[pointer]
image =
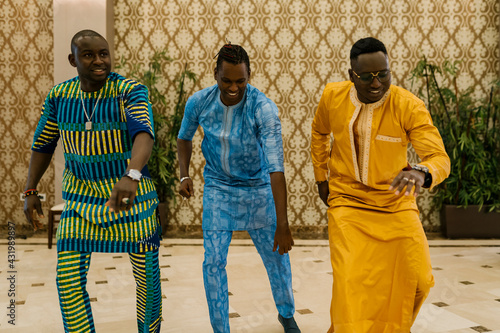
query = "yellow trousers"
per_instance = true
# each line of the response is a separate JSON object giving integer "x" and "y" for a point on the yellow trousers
{"x": 381, "y": 270}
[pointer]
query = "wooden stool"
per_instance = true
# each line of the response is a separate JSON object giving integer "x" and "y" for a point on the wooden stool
{"x": 54, "y": 211}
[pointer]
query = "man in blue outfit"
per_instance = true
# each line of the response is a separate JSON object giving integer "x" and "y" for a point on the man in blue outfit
{"x": 245, "y": 186}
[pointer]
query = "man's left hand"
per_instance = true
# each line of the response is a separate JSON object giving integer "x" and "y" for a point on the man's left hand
{"x": 123, "y": 195}
{"x": 411, "y": 179}
{"x": 283, "y": 240}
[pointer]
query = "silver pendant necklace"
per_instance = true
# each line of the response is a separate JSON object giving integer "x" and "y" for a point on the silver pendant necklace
{"x": 88, "y": 123}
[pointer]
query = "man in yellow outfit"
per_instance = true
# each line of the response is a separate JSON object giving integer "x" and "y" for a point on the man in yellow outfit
{"x": 379, "y": 252}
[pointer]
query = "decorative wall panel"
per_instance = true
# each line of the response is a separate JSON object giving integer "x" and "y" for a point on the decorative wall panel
{"x": 295, "y": 48}
{"x": 26, "y": 76}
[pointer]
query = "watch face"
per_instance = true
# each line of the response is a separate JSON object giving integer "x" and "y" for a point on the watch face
{"x": 421, "y": 168}
{"x": 134, "y": 174}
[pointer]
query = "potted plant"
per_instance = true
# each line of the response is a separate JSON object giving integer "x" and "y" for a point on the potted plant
{"x": 162, "y": 164}
{"x": 470, "y": 197}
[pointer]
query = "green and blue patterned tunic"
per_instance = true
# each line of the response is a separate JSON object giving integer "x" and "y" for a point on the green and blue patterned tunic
{"x": 95, "y": 160}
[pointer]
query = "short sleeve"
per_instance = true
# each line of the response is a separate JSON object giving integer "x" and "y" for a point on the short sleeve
{"x": 190, "y": 120}
{"x": 269, "y": 135}
{"x": 47, "y": 131}
{"x": 138, "y": 111}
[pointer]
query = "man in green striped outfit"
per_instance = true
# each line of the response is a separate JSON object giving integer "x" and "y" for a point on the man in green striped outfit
{"x": 105, "y": 125}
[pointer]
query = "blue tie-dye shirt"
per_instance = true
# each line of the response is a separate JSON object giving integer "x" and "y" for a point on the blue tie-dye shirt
{"x": 242, "y": 144}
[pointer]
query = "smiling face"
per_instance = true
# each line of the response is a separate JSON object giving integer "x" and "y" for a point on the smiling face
{"x": 232, "y": 81}
{"x": 90, "y": 56}
{"x": 370, "y": 63}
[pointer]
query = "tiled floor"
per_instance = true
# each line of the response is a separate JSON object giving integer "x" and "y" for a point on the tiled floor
{"x": 466, "y": 298}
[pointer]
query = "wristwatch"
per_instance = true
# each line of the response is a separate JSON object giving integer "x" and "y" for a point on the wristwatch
{"x": 134, "y": 174}
{"x": 428, "y": 176}
{"x": 422, "y": 168}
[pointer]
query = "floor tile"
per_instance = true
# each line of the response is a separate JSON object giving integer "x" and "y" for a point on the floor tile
{"x": 452, "y": 306}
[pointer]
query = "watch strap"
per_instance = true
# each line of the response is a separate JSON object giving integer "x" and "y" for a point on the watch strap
{"x": 428, "y": 176}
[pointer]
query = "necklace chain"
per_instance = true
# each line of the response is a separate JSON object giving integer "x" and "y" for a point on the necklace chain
{"x": 89, "y": 119}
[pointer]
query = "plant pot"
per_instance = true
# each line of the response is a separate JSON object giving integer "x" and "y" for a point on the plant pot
{"x": 470, "y": 222}
{"x": 163, "y": 212}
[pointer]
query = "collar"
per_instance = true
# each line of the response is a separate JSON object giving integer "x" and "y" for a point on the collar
{"x": 357, "y": 103}
{"x": 232, "y": 107}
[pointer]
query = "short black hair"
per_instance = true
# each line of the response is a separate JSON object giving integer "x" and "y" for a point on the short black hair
{"x": 83, "y": 33}
{"x": 367, "y": 45}
{"x": 234, "y": 54}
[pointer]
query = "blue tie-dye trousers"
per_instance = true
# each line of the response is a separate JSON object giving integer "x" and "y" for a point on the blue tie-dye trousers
{"x": 216, "y": 244}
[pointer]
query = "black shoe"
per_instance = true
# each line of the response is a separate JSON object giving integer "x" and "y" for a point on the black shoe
{"x": 289, "y": 324}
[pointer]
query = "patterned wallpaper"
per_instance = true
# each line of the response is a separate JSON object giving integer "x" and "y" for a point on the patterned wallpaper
{"x": 295, "y": 48}
{"x": 26, "y": 76}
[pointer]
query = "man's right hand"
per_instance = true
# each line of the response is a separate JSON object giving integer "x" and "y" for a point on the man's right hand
{"x": 39, "y": 163}
{"x": 33, "y": 205}
{"x": 186, "y": 188}
{"x": 324, "y": 192}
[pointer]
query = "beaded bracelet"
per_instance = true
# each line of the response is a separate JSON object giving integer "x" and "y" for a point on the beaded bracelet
{"x": 29, "y": 192}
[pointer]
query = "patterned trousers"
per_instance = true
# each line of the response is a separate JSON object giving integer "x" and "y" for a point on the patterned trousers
{"x": 216, "y": 244}
{"x": 72, "y": 268}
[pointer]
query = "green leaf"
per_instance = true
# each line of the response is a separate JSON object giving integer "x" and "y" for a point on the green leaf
{"x": 470, "y": 128}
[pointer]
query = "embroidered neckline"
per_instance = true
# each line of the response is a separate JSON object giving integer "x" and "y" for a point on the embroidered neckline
{"x": 357, "y": 102}
{"x": 361, "y": 171}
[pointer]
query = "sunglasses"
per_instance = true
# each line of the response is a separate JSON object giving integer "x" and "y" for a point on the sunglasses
{"x": 382, "y": 76}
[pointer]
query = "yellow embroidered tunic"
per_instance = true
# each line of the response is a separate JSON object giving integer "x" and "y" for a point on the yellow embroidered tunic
{"x": 380, "y": 255}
